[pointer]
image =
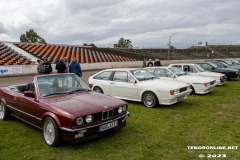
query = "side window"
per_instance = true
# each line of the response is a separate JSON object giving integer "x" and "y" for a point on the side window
{"x": 178, "y": 66}
{"x": 103, "y": 76}
{"x": 189, "y": 68}
{"x": 120, "y": 77}
{"x": 205, "y": 66}
{"x": 186, "y": 68}
{"x": 130, "y": 78}
{"x": 193, "y": 69}
{"x": 162, "y": 73}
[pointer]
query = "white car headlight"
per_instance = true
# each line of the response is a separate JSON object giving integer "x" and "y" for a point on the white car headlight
{"x": 120, "y": 109}
{"x": 89, "y": 118}
{"x": 124, "y": 108}
{"x": 79, "y": 121}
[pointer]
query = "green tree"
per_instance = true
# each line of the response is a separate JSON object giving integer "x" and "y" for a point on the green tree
{"x": 90, "y": 45}
{"x": 31, "y": 37}
{"x": 123, "y": 43}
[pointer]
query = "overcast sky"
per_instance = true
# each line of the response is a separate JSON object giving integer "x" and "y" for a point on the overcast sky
{"x": 147, "y": 24}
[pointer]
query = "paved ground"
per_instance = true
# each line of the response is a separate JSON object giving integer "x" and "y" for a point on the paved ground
{"x": 6, "y": 81}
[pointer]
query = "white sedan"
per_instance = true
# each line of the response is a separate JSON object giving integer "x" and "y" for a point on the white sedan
{"x": 139, "y": 85}
{"x": 200, "y": 85}
{"x": 196, "y": 70}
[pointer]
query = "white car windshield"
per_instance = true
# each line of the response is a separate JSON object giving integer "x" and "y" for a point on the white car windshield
{"x": 199, "y": 68}
{"x": 177, "y": 71}
{"x": 142, "y": 74}
{"x": 60, "y": 84}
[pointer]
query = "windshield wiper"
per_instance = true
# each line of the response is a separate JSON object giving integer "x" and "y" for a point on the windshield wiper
{"x": 55, "y": 93}
{"x": 79, "y": 90}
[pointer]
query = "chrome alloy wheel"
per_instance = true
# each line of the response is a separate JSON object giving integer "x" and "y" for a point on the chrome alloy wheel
{"x": 150, "y": 100}
{"x": 2, "y": 111}
{"x": 49, "y": 132}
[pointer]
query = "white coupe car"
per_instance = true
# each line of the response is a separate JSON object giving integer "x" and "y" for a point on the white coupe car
{"x": 196, "y": 70}
{"x": 139, "y": 85}
{"x": 199, "y": 84}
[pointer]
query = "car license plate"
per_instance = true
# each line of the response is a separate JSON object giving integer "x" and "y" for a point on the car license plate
{"x": 108, "y": 126}
{"x": 180, "y": 98}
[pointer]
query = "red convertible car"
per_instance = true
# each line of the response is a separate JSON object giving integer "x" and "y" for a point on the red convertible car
{"x": 63, "y": 107}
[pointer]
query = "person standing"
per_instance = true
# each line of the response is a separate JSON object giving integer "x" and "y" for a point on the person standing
{"x": 75, "y": 67}
{"x": 65, "y": 60}
{"x": 157, "y": 62}
{"x": 61, "y": 66}
{"x": 144, "y": 63}
{"x": 150, "y": 63}
{"x": 40, "y": 68}
{"x": 47, "y": 66}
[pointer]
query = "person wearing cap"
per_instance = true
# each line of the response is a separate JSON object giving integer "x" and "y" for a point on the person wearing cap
{"x": 47, "y": 66}
{"x": 40, "y": 68}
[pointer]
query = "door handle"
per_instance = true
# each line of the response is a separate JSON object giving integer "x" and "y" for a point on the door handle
{"x": 112, "y": 83}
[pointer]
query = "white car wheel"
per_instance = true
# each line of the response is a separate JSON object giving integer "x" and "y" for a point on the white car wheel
{"x": 150, "y": 100}
{"x": 98, "y": 89}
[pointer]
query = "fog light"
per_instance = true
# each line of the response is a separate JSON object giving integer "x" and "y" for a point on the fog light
{"x": 80, "y": 134}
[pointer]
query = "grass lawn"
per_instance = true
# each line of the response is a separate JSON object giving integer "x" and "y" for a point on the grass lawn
{"x": 150, "y": 133}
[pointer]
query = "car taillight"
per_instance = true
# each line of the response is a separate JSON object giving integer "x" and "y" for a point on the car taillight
{"x": 205, "y": 84}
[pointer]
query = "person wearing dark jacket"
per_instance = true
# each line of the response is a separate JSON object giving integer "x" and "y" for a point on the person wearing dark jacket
{"x": 74, "y": 67}
{"x": 61, "y": 67}
{"x": 157, "y": 62}
{"x": 40, "y": 68}
{"x": 47, "y": 67}
{"x": 150, "y": 63}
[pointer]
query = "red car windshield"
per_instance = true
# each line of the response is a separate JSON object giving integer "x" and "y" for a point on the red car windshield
{"x": 60, "y": 84}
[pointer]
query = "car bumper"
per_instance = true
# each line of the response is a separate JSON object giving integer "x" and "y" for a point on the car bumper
{"x": 204, "y": 90}
{"x": 91, "y": 132}
{"x": 175, "y": 98}
{"x": 221, "y": 82}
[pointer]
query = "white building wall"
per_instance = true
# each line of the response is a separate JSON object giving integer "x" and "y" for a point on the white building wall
{"x": 32, "y": 69}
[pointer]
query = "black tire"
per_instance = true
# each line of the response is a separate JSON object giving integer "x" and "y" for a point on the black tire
{"x": 98, "y": 89}
{"x": 228, "y": 77}
{"x": 150, "y": 100}
{"x": 51, "y": 132}
{"x": 3, "y": 112}
{"x": 193, "y": 90}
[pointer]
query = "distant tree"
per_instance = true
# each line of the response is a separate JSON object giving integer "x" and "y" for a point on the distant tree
{"x": 123, "y": 43}
{"x": 172, "y": 47}
{"x": 90, "y": 45}
{"x": 31, "y": 37}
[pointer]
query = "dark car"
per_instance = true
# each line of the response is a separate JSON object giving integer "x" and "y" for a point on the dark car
{"x": 63, "y": 107}
{"x": 222, "y": 64}
{"x": 228, "y": 62}
{"x": 230, "y": 73}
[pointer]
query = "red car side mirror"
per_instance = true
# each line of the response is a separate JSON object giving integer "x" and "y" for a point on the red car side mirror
{"x": 30, "y": 94}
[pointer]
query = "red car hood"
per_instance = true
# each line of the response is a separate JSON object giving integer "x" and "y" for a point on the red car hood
{"x": 84, "y": 103}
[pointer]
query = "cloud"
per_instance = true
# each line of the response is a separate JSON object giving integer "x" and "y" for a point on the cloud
{"x": 145, "y": 23}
